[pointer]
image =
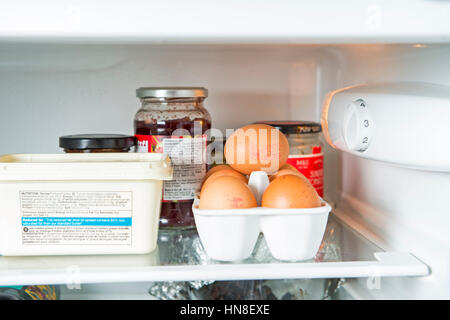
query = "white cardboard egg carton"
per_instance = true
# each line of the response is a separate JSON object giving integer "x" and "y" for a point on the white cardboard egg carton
{"x": 291, "y": 234}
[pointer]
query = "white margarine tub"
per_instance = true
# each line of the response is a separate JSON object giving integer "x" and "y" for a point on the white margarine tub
{"x": 83, "y": 203}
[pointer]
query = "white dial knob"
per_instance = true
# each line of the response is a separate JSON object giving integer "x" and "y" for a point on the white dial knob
{"x": 358, "y": 126}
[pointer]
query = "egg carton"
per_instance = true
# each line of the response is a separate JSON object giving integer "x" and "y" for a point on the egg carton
{"x": 290, "y": 234}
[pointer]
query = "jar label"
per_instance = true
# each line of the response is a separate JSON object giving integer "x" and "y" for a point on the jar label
{"x": 188, "y": 156}
{"x": 311, "y": 166}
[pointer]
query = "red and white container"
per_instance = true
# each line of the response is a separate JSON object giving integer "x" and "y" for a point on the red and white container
{"x": 305, "y": 149}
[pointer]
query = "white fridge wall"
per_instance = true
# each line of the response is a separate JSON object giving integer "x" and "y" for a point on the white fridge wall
{"x": 51, "y": 90}
{"x": 405, "y": 208}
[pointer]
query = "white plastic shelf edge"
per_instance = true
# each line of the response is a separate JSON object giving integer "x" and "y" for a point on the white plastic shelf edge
{"x": 388, "y": 264}
{"x": 176, "y": 21}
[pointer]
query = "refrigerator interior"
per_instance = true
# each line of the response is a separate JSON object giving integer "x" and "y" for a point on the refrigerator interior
{"x": 49, "y": 90}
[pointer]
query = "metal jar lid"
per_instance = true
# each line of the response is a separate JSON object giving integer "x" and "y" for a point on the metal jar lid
{"x": 294, "y": 127}
{"x": 172, "y": 92}
{"x": 96, "y": 141}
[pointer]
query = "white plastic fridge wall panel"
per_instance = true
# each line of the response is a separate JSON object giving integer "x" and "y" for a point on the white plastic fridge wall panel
{"x": 176, "y": 21}
{"x": 392, "y": 63}
{"x": 405, "y": 208}
{"x": 390, "y": 235}
{"x": 69, "y": 89}
{"x": 378, "y": 183}
{"x": 386, "y": 187}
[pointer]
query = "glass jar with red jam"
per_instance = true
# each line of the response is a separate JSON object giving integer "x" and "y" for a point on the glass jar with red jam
{"x": 173, "y": 120}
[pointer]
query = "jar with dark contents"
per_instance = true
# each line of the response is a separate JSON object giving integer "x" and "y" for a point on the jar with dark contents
{"x": 87, "y": 143}
{"x": 305, "y": 149}
{"x": 173, "y": 120}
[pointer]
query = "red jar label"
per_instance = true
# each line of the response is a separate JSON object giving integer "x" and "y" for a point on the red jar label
{"x": 188, "y": 156}
{"x": 311, "y": 166}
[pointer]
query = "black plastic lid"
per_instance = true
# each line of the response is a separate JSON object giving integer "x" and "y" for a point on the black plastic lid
{"x": 96, "y": 141}
{"x": 294, "y": 127}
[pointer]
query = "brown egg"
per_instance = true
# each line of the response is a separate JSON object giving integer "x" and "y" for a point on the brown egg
{"x": 289, "y": 166}
{"x": 215, "y": 169}
{"x": 227, "y": 193}
{"x": 284, "y": 172}
{"x": 224, "y": 172}
{"x": 251, "y": 148}
{"x": 290, "y": 191}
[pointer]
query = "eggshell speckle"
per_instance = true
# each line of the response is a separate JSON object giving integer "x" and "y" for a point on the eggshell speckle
{"x": 290, "y": 191}
{"x": 227, "y": 192}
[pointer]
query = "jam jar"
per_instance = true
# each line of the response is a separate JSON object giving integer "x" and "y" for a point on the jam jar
{"x": 85, "y": 143}
{"x": 173, "y": 120}
{"x": 305, "y": 149}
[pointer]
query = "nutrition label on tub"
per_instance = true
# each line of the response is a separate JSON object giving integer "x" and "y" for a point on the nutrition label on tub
{"x": 76, "y": 217}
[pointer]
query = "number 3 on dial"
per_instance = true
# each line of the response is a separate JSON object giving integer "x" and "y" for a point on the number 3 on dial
{"x": 358, "y": 126}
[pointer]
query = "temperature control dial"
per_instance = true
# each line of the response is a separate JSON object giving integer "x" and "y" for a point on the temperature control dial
{"x": 358, "y": 126}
